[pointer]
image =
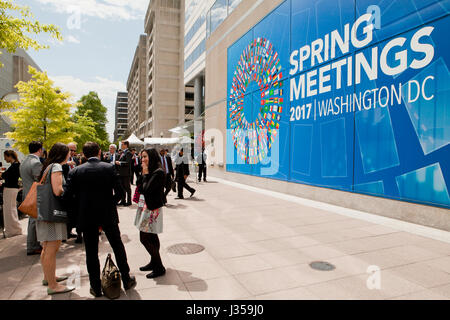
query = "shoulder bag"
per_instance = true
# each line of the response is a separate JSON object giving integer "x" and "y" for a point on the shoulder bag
{"x": 50, "y": 208}
{"x": 29, "y": 205}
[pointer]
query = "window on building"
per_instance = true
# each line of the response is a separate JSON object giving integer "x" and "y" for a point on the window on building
{"x": 189, "y": 96}
{"x": 219, "y": 12}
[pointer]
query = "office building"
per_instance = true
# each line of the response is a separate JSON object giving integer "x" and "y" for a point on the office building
{"x": 334, "y": 101}
{"x": 14, "y": 70}
{"x": 137, "y": 90}
{"x": 121, "y": 125}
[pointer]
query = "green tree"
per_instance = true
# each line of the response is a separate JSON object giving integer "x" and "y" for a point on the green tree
{"x": 43, "y": 114}
{"x": 92, "y": 106}
{"x": 84, "y": 127}
{"x": 17, "y": 25}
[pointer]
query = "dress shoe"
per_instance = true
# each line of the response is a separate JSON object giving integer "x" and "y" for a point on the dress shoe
{"x": 130, "y": 283}
{"x": 127, "y": 204}
{"x": 58, "y": 279}
{"x": 205, "y": 180}
{"x": 71, "y": 236}
{"x": 34, "y": 252}
{"x": 51, "y": 292}
{"x": 79, "y": 239}
{"x": 156, "y": 274}
{"x": 179, "y": 198}
{"x": 192, "y": 193}
{"x": 96, "y": 293}
{"x": 147, "y": 267}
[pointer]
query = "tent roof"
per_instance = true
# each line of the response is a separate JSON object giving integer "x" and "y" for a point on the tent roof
{"x": 165, "y": 141}
{"x": 134, "y": 140}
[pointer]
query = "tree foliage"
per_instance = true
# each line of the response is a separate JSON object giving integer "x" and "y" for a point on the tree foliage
{"x": 43, "y": 114}
{"x": 91, "y": 106}
{"x": 17, "y": 25}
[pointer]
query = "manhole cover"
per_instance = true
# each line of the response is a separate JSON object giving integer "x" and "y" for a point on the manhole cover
{"x": 322, "y": 266}
{"x": 185, "y": 248}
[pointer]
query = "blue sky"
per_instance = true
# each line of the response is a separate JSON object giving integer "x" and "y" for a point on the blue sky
{"x": 100, "y": 38}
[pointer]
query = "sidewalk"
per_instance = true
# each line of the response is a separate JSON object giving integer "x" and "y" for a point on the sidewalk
{"x": 256, "y": 247}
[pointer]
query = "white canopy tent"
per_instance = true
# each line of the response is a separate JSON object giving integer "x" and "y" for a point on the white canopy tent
{"x": 133, "y": 140}
{"x": 168, "y": 141}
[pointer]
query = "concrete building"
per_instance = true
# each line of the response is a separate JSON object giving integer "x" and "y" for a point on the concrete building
{"x": 15, "y": 69}
{"x": 164, "y": 57}
{"x": 355, "y": 170}
{"x": 137, "y": 90}
{"x": 197, "y": 24}
{"x": 121, "y": 125}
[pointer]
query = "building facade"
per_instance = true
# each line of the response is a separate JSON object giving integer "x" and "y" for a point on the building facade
{"x": 337, "y": 101}
{"x": 121, "y": 125}
{"x": 137, "y": 90}
{"x": 14, "y": 70}
{"x": 164, "y": 56}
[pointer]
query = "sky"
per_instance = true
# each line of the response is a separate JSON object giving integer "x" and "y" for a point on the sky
{"x": 100, "y": 38}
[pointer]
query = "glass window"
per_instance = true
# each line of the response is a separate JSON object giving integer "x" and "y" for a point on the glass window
{"x": 194, "y": 55}
{"x": 193, "y": 30}
{"x": 232, "y": 4}
{"x": 218, "y": 13}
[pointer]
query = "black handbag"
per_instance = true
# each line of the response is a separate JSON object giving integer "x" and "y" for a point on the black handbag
{"x": 50, "y": 208}
{"x": 110, "y": 279}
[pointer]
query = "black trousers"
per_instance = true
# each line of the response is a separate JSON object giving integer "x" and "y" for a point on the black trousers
{"x": 152, "y": 245}
{"x": 93, "y": 264}
{"x": 167, "y": 185}
{"x": 181, "y": 183}
{"x": 126, "y": 185}
{"x": 202, "y": 170}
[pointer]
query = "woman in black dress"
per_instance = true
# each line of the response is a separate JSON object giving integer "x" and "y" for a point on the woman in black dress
{"x": 149, "y": 216}
{"x": 10, "y": 191}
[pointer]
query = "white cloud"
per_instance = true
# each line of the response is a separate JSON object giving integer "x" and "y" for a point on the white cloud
{"x": 104, "y": 9}
{"x": 72, "y": 39}
{"x": 107, "y": 91}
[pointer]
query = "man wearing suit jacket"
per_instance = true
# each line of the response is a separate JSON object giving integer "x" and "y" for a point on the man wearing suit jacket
{"x": 182, "y": 170}
{"x": 71, "y": 164}
{"x": 112, "y": 156}
{"x": 166, "y": 163}
{"x": 30, "y": 170}
{"x": 124, "y": 165}
{"x": 96, "y": 189}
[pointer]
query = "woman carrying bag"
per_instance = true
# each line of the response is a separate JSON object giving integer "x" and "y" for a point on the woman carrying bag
{"x": 51, "y": 227}
{"x": 10, "y": 191}
{"x": 149, "y": 216}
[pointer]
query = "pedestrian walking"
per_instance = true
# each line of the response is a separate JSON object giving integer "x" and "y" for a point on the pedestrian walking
{"x": 167, "y": 167}
{"x": 149, "y": 216}
{"x": 124, "y": 166}
{"x": 182, "y": 171}
{"x": 30, "y": 169}
{"x": 201, "y": 160}
{"x": 49, "y": 233}
{"x": 97, "y": 190}
{"x": 10, "y": 191}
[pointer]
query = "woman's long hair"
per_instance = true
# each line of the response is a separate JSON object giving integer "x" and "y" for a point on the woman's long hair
{"x": 11, "y": 154}
{"x": 154, "y": 160}
{"x": 58, "y": 154}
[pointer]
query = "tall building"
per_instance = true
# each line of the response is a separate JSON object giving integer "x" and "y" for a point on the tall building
{"x": 197, "y": 26}
{"x": 164, "y": 56}
{"x": 315, "y": 99}
{"x": 121, "y": 125}
{"x": 14, "y": 70}
{"x": 137, "y": 90}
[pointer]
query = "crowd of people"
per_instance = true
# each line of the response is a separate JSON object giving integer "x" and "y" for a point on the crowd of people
{"x": 86, "y": 190}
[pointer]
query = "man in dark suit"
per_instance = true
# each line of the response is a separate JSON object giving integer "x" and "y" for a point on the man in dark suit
{"x": 166, "y": 163}
{"x": 112, "y": 156}
{"x": 124, "y": 166}
{"x": 71, "y": 164}
{"x": 96, "y": 189}
{"x": 182, "y": 170}
{"x": 136, "y": 166}
{"x": 201, "y": 160}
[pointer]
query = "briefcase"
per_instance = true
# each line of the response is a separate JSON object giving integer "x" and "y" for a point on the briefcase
{"x": 111, "y": 279}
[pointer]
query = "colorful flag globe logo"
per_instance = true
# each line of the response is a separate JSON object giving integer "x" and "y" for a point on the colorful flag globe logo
{"x": 259, "y": 63}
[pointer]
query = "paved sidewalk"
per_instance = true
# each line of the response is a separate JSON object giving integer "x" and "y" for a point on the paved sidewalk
{"x": 256, "y": 247}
